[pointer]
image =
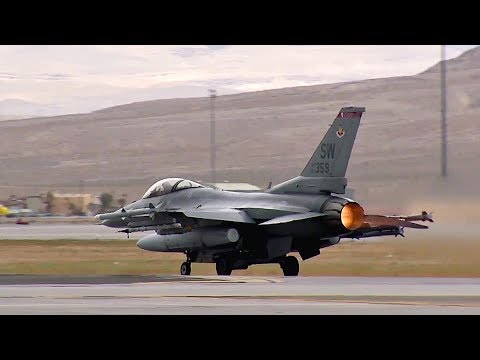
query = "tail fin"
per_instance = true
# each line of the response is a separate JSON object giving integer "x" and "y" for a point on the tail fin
{"x": 333, "y": 153}
{"x": 326, "y": 169}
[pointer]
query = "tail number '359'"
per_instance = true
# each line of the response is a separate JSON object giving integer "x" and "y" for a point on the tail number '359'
{"x": 321, "y": 167}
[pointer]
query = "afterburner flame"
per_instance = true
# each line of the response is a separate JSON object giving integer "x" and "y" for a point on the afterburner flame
{"x": 352, "y": 216}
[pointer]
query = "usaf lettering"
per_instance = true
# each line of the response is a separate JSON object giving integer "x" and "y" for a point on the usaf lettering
{"x": 327, "y": 150}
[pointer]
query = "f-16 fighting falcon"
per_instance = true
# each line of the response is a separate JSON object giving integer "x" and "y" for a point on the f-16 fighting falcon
{"x": 235, "y": 230}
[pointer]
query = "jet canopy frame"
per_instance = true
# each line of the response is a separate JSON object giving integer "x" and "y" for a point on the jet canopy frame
{"x": 168, "y": 185}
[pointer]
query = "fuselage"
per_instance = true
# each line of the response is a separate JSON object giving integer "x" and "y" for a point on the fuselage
{"x": 259, "y": 206}
{"x": 212, "y": 198}
{"x": 207, "y": 198}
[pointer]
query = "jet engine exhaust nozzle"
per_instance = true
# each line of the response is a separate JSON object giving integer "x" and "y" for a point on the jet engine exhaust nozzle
{"x": 352, "y": 216}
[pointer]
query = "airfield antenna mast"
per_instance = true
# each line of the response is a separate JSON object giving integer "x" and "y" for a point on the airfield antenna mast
{"x": 81, "y": 187}
{"x": 213, "y": 95}
{"x": 444, "y": 111}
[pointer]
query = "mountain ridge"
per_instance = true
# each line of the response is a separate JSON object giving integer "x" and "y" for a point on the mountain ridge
{"x": 261, "y": 136}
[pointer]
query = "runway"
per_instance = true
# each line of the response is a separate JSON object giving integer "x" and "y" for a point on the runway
{"x": 237, "y": 295}
{"x": 62, "y": 231}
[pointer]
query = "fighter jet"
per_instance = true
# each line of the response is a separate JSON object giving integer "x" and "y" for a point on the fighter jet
{"x": 235, "y": 230}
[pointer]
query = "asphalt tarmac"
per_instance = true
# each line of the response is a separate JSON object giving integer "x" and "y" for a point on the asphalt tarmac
{"x": 38, "y": 231}
{"x": 236, "y": 295}
{"x": 62, "y": 231}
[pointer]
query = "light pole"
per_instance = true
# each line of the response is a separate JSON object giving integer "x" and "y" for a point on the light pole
{"x": 444, "y": 111}
{"x": 213, "y": 95}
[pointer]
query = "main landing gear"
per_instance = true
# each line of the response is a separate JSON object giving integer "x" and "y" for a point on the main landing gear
{"x": 186, "y": 268}
{"x": 290, "y": 266}
{"x": 224, "y": 267}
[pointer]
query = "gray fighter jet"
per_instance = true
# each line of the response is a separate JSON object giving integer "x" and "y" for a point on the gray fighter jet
{"x": 235, "y": 230}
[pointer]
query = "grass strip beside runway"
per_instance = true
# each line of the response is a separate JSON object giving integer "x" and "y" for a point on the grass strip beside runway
{"x": 390, "y": 257}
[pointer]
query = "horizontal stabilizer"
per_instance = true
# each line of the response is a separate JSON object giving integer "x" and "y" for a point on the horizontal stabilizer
{"x": 232, "y": 215}
{"x": 424, "y": 216}
{"x": 293, "y": 217}
{"x": 380, "y": 220}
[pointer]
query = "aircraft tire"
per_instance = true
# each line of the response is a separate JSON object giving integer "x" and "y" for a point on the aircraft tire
{"x": 290, "y": 266}
{"x": 223, "y": 267}
{"x": 186, "y": 268}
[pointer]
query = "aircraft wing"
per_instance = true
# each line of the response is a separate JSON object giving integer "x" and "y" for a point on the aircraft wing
{"x": 271, "y": 211}
{"x": 241, "y": 216}
{"x": 232, "y": 215}
{"x": 290, "y": 218}
{"x": 247, "y": 213}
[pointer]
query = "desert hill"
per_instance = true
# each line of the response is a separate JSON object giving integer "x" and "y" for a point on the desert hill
{"x": 261, "y": 136}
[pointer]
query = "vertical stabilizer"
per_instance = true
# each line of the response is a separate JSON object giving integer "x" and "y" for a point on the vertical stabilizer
{"x": 331, "y": 157}
{"x": 326, "y": 169}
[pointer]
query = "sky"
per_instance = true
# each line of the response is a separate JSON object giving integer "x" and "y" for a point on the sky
{"x": 62, "y": 79}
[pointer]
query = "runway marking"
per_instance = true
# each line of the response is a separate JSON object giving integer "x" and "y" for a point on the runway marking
{"x": 431, "y": 301}
{"x": 158, "y": 280}
{"x": 79, "y": 306}
{"x": 220, "y": 279}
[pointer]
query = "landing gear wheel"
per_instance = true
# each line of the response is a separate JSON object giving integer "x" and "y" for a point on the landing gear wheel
{"x": 186, "y": 268}
{"x": 290, "y": 266}
{"x": 224, "y": 267}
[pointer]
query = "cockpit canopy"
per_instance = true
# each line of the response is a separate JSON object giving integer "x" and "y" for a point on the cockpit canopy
{"x": 169, "y": 185}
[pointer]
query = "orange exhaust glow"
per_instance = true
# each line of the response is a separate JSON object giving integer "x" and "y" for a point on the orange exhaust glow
{"x": 352, "y": 216}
